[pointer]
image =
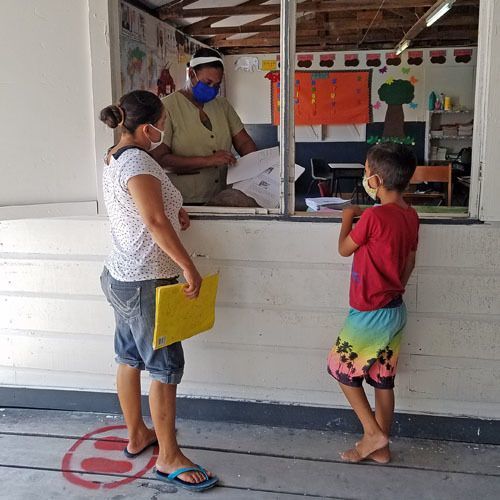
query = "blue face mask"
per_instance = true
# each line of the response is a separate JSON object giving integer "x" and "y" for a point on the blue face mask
{"x": 204, "y": 93}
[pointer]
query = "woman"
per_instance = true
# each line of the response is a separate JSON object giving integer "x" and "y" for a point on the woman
{"x": 200, "y": 131}
{"x": 145, "y": 213}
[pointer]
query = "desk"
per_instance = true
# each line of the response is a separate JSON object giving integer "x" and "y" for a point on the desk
{"x": 347, "y": 171}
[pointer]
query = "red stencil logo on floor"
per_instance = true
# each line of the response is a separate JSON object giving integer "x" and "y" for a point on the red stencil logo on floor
{"x": 97, "y": 460}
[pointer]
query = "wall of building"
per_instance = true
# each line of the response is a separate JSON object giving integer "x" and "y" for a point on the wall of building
{"x": 283, "y": 297}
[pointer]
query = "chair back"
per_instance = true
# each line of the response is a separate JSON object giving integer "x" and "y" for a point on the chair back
{"x": 320, "y": 170}
{"x": 434, "y": 173}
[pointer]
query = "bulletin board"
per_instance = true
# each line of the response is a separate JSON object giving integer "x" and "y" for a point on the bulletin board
{"x": 327, "y": 97}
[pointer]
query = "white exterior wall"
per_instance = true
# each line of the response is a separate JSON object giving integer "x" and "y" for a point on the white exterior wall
{"x": 282, "y": 299}
{"x": 283, "y": 292}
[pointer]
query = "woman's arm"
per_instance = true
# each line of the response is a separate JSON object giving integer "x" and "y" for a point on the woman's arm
{"x": 185, "y": 164}
{"x": 243, "y": 143}
{"x": 146, "y": 193}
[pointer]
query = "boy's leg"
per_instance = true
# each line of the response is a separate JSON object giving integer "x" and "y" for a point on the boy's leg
{"x": 374, "y": 437}
{"x": 128, "y": 382}
{"x": 170, "y": 458}
{"x": 384, "y": 413}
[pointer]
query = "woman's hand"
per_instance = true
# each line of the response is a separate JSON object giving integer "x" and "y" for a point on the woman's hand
{"x": 193, "y": 278}
{"x": 184, "y": 219}
{"x": 221, "y": 159}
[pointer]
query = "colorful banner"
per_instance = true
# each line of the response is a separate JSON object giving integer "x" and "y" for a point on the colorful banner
{"x": 327, "y": 97}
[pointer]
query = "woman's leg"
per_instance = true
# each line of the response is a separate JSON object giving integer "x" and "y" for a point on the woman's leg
{"x": 374, "y": 437}
{"x": 170, "y": 458}
{"x": 128, "y": 383}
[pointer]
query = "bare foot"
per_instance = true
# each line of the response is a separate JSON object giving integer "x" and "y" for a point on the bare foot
{"x": 179, "y": 461}
{"x": 371, "y": 443}
{"x": 141, "y": 441}
{"x": 382, "y": 456}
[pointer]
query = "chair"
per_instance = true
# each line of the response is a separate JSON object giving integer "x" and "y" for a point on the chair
{"x": 432, "y": 173}
{"x": 354, "y": 176}
{"x": 320, "y": 172}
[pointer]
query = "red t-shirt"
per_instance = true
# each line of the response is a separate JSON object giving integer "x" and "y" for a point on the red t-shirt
{"x": 386, "y": 235}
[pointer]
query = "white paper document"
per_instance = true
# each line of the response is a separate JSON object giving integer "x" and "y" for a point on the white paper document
{"x": 265, "y": 187}
{"x": 253, "y": 164}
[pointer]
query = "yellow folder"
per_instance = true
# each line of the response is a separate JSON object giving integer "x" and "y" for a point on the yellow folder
{"x": 178, "y": 317}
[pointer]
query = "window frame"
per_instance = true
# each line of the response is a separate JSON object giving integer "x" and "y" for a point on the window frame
{"x": 286, "y": 138}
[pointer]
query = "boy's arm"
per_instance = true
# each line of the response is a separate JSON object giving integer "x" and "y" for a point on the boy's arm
{"x": 347, "y": 246}
{"x": 410, "y": 265}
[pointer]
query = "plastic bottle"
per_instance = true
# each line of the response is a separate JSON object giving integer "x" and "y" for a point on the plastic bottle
{"x": 432, "y": 101}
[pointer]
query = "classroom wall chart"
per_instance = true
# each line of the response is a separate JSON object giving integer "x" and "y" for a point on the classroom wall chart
{"x": 327, "y": 97}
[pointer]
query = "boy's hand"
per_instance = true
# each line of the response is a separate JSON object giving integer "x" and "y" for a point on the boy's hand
{"x": 352, "y": 211}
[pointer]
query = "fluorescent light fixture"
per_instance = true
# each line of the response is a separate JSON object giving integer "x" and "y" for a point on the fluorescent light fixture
{"x": 402, "y": 46}
{"x": 440, "y": 11}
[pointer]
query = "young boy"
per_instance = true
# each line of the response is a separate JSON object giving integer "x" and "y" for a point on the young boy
{"x": 383, "y": 242}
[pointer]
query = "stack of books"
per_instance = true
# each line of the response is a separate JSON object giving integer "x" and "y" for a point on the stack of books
{"x": 465, "y": 129}
{"x": 329, "y": 202}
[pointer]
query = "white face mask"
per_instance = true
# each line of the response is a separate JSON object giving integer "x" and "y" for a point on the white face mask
{"x": 154, "y": 145}
{"x": 371, "y": 192}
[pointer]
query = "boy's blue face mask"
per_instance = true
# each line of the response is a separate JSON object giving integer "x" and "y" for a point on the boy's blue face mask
{"x": 204, "y": 93}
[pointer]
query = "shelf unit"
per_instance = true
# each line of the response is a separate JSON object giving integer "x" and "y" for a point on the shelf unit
{"x": 453, "y": 143}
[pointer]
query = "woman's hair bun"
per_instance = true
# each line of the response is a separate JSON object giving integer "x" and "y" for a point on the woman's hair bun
{"x": 111, "y": 116}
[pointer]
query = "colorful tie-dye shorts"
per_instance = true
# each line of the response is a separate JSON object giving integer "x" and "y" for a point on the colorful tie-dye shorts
{"x": 368, "y": 347}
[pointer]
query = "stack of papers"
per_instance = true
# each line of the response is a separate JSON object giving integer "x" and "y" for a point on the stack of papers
{"x": 258, "y": 176}
{"x": 330, "y": 202}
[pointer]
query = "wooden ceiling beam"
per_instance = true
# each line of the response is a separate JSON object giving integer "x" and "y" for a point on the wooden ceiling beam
{"x": 373, "y": 37}
{"x": 310, "y": 6}
{"x": 335, "y": 26}
{"x": 166, "y": 13}
{"x": 193, "y": 29}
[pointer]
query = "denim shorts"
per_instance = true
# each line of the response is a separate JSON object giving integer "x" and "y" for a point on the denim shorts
{"x": 134, "y": 304}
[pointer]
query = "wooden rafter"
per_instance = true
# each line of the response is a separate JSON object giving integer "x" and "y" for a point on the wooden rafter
{"x": 307, "y": 6}
{"x": 324, "y": 24}
{"x": 333, "y": 26}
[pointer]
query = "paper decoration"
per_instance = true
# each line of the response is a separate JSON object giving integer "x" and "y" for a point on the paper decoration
{"x": 351, "y": 60}
{"x": 249, "y": 64}
{"x": 377, "y": 105}
{"x": 179, "y": 318}
{"x": 405, "y": 71}
{"x": 415, "y": 57}
{"x": 305, "y": 60}
{"x": 328, "y": 97}
{"x": 165, "y": 84}
{"x": 268, "y": 64}
{"x": 413, "y": 80}
{"x": 395, "y": 93}
{"x": 327, "y": 60}
{"x": 383, "y": 70}
{"x": 413, "y": 105}
{"x": 462, "y": 55}
{"x": 373, "y": 60}
{"x": 438, "y": 56}
{"x": 273, "y": 76}
{"x": 392, "y": 59}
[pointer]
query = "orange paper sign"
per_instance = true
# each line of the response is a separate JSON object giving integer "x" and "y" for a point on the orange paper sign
{"x": 327, "y": 97}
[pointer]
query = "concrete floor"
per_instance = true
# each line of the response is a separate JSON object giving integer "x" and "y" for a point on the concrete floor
{"x": 43, "y": 457}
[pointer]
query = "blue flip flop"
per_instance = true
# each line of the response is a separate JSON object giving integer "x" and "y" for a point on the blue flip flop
{"x": 135, "y": 455}
{"x": 173, "y": 478}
